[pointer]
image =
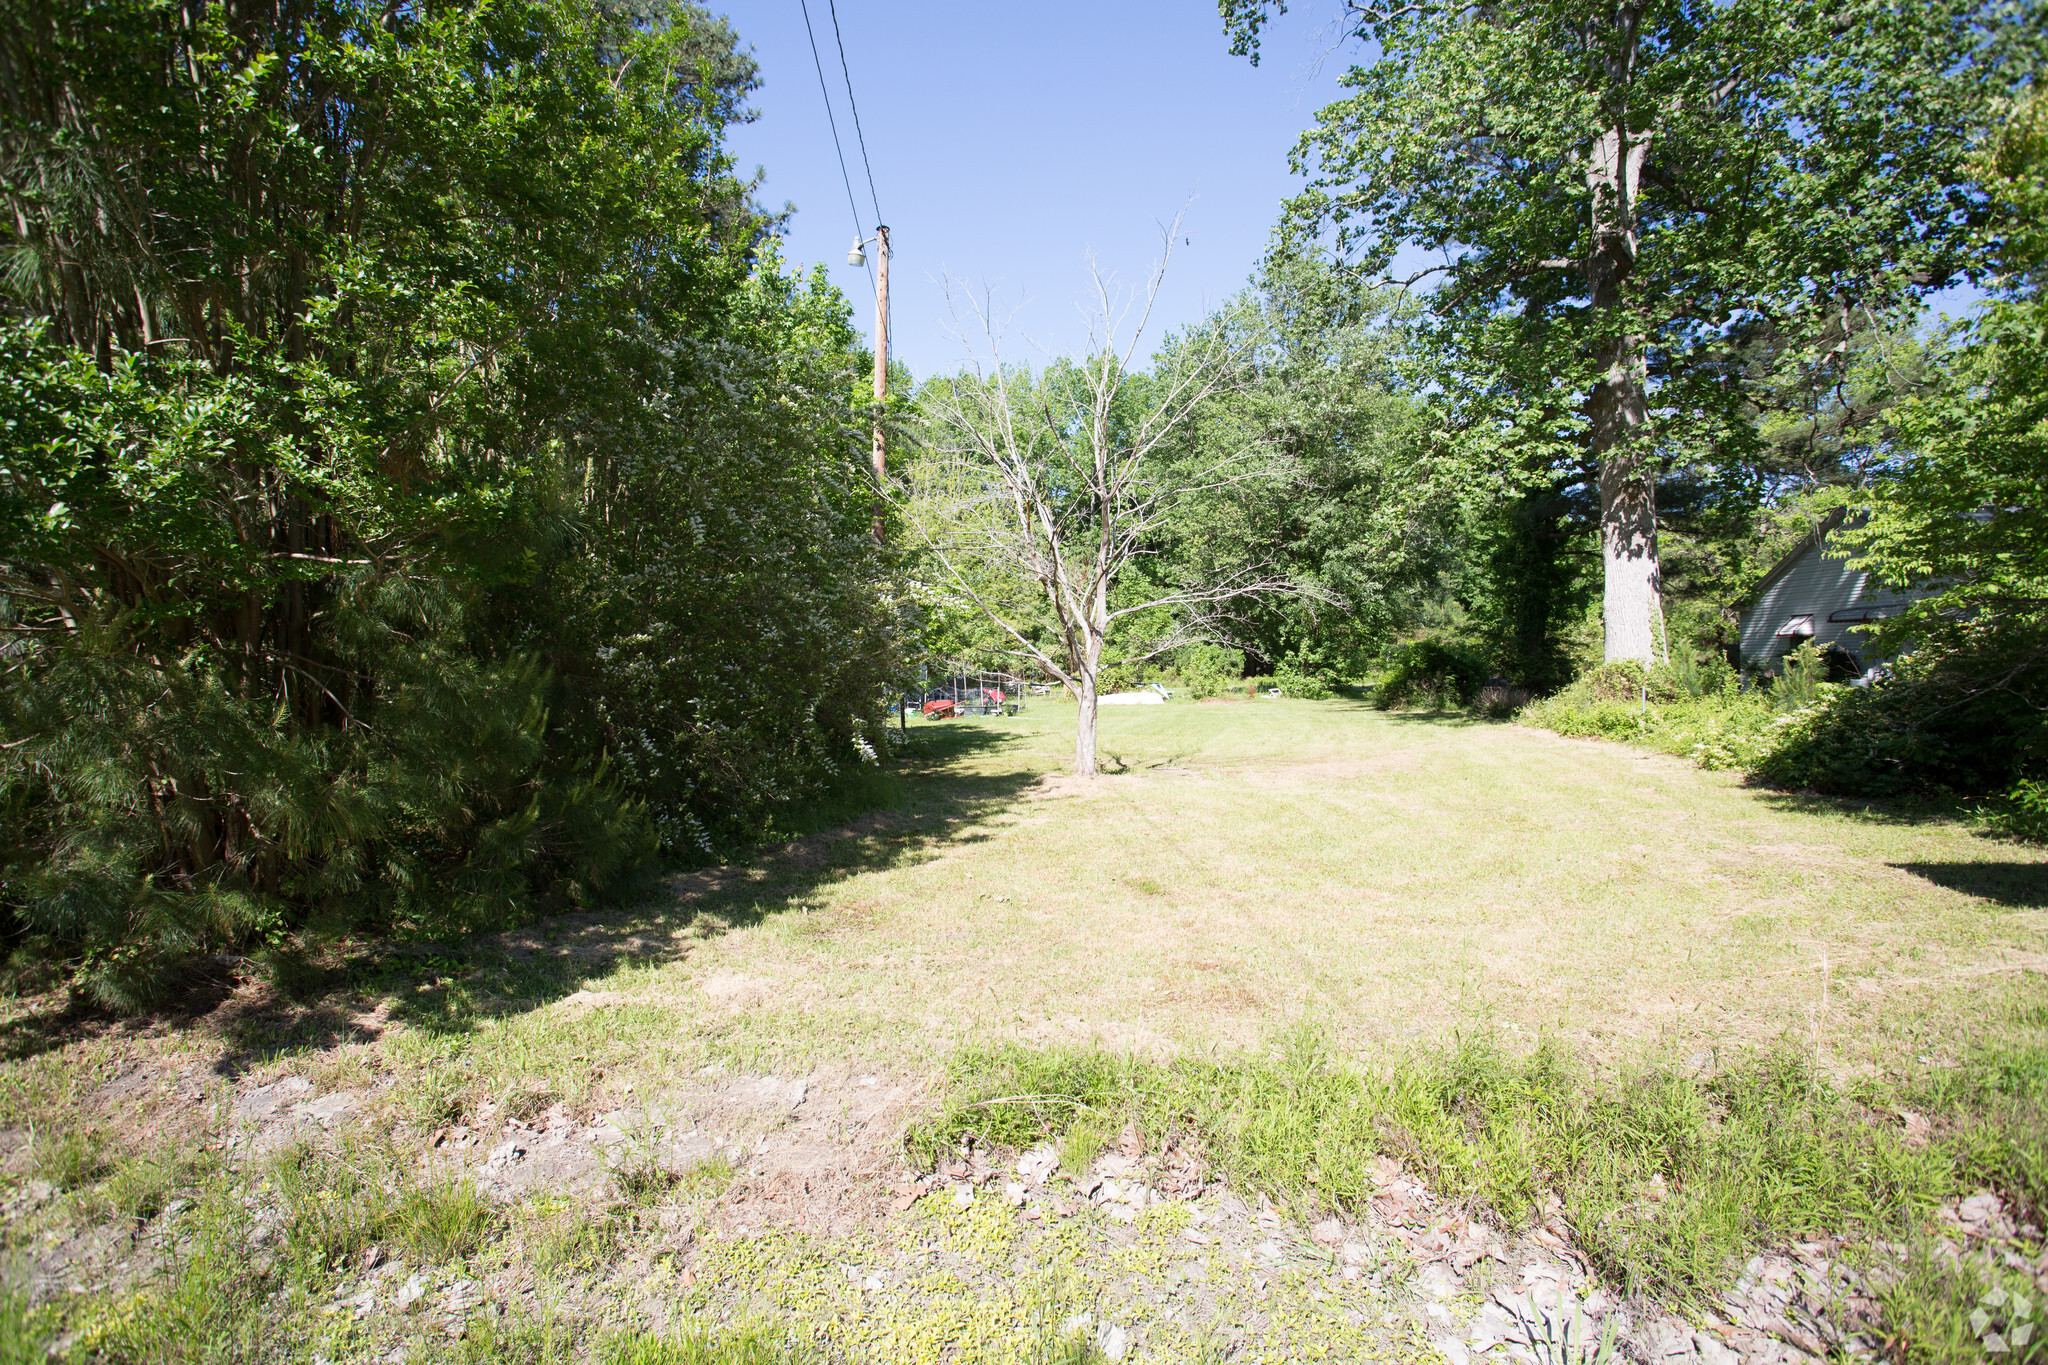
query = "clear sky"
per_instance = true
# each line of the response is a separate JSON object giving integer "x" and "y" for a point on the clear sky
{"x": 1010, "y": 140}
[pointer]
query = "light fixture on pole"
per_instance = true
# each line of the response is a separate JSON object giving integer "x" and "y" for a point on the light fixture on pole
{"x": 854, "y": 254}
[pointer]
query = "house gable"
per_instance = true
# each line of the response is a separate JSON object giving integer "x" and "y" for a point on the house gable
{"x": 1813, "y": 594}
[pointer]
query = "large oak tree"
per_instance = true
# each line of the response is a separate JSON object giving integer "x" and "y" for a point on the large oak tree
{"x": 1617, "y": 197}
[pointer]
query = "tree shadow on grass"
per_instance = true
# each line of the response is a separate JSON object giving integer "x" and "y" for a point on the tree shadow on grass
{"x": 2022, "y": 886}
{"x": 1447, "y": 719}
{"x": 448, "y": 988}
{"x": 1903, "y": 810}
{"x": 938, "y": 798}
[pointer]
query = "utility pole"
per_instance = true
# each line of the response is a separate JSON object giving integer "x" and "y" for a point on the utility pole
{"x": 881, "y": 362}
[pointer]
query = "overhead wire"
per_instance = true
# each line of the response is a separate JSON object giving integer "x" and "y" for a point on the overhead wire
{"x": 825, "y": 89}
{"x": 832, "y": 7}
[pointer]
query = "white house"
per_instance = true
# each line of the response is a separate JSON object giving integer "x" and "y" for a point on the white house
{"x": 1813, "y": 594}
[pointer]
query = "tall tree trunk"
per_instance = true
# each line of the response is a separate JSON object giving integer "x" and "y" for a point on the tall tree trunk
{"x": 1618, "y": 406}
{"x": 1629, "y": 604}
{"x": 1094, "y": 631}
{"x": 1084, "y": 728}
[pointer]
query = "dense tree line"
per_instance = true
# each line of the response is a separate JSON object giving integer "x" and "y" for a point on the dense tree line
{"x": 424, "y": 495}
{"x": 1587, "y": 313}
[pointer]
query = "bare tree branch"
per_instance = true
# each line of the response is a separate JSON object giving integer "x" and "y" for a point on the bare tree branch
{"x": 1061, "y": 480}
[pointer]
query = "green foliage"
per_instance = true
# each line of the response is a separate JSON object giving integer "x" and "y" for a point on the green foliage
{"x": 1529, "y": 577}
{"x": 68, "y": 1159}
{"x": 518, "y": 1338}
{"x": 1208, "y": 670}
{"x": 1350, "y": 512}
{"x": 1927, "y": 730}
{"x": 445, "y": 1221}
{"x": 2023, "y": 813}
{"x": 1661, "y": 209}
{"x": 1931, "y": 727}
{"x": 208, "y": 1303}
{"x": 23, "y": 1339}
{"x": 406, "y": 523}
{"x": 1295, "y": 680}
{"x": 1437, "y": 671}
{"x": 1961, "y": 509}
{"x": 138, "y": 1187}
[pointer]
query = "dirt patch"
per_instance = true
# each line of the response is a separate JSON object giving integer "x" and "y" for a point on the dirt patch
{"x": 1055, "y": 785}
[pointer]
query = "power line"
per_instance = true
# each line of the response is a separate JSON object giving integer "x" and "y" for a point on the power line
{"x": 826, "y": 90}
{"x": 832, "y": 8}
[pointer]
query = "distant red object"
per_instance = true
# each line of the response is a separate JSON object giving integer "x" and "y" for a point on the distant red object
{"x": 995, "y": 694}
{"x": 941, "y": 708}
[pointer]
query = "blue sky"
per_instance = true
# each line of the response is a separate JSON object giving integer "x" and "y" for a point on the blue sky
{"x": 1008, "y": 141}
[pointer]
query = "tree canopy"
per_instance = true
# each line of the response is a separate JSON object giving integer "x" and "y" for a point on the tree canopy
{"x": 424, "y": 490}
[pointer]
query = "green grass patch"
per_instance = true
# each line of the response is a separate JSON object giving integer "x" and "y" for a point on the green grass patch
{"x": 337, "y": 1203}
{"x": 747, "y": 1346}
{"x": 67, "y": 1159}
{"x": 1670, "y": 1181}
{"x": 210, "y": 1304}
{"x": 444, "y": 1222}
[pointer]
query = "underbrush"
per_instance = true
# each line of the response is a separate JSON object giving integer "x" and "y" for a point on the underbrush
{"x": 1670, "y": 1180}
{"x": 1434, "y": 673}
{"x": 1932, "y": 730}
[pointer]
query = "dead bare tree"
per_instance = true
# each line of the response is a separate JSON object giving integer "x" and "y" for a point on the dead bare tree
{"x": 1057, "y": 483}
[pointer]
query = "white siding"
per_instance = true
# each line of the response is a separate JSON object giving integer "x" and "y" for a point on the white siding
{"x": 1816, "y": 584}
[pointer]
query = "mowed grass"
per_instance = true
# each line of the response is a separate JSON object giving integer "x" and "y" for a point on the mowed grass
{"x": 1387, "y": 878}
{"x": 1297, "y": 937}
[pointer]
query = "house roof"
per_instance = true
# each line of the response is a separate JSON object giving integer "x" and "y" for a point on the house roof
{"x": 1784, "y": 566}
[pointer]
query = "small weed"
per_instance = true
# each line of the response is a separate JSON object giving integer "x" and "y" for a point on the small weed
{"x": 443, "y": 1222}
{"x": 351, "y": 1070}
{"x": 24, "y": 1337}
{"x": 210, "y": 1305}
{"x": 335, "y": 1204}
{"x": 569, "y": 1238}
{"x": 138, "y": 1187}
{"x": 1938, "y": 1309}
{"x": 518, "y": 1340}
{"x": 1080, "y": 1145}
{"x": 644, "y": 1180}
{"x": 711, "y": 1175}
{"x": 526, "y": 1100}
{"x": 1072, "y": 1348}
{"x": 440, "y": 1098}
{"x": 67, "y": 1160}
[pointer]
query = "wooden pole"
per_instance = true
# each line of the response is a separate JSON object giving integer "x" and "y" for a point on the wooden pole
{"x": 881, "y": 363}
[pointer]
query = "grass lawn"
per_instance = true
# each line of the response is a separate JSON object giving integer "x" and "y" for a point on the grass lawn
{"x": 1287, "y": 948}
{"x": 1390, "y": 876}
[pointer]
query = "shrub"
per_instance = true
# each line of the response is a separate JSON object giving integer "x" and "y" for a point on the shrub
{"x": 1498, "y": 701}
{"x": 1294, "y": 681}
{"x": 1721, "y": 729}
{"x": 1118, "y": 678}
{"x": 1625, "y": 680}
{"x": 1206, "y": 670}
{"x": 2023, "y": 814}
{"x": 1946, "y": 723}
{"x": 1435, "y": 671}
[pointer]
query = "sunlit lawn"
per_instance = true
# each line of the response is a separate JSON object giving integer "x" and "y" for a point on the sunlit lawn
{"x": 1393, "y": 877}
